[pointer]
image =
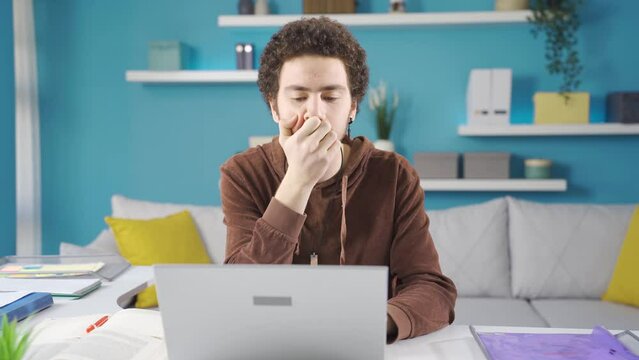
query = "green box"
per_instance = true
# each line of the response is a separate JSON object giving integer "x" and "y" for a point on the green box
{"x": 168, "y": 55}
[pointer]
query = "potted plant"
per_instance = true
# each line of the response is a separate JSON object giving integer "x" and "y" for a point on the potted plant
{"x": 13, "y": 343}
{"x": 384, "y": 115}
{"x": 511, "y": 5}
{"x": 558, "y": 20}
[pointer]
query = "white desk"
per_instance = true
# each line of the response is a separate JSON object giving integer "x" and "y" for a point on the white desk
{"x": 453, "y": 342}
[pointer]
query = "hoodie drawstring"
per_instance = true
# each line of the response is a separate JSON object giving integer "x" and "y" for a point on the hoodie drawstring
{"x": 342, "y": 233}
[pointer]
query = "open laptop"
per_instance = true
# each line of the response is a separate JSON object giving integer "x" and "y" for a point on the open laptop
{"x": 273, "y": 311}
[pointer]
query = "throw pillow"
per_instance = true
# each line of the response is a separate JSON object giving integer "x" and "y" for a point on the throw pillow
{"x": 172, "y": 239}
{"x": 68, "y": 249}
{"x": 624, "y": 287}
{"x": 208, "y": 219}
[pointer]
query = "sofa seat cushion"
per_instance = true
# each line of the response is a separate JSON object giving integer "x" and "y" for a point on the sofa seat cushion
{"x": 472, "y": 242}
{"x": 496, "y": 312}
{"x": 564, "y": 250}
{"x": 586, "y": 313}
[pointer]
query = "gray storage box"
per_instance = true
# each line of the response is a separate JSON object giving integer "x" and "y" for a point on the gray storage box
{"x": 433, "y": 165}
{"x": 487, "y": 165}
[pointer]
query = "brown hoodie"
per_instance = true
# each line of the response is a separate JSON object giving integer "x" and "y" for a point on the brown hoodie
{"x": 370, "y": 213}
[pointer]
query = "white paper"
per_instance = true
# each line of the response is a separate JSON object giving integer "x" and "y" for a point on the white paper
{"x": 53, "y": 286}
{"x": 143, "y": 322}
{"x": 62, "y": 329}
{"x": 111, "y": 345}
{"x": 7, "y": 298}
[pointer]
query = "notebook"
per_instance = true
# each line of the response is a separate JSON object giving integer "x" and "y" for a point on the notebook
{"x": 598, "y": 345}
{"x": 56, "y": 287}
{"x": 127, "y": 334}
{"x": 19, "y": 305}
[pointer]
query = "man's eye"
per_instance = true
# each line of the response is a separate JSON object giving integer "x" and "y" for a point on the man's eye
{"x": 299, "y": 99}
{"x": 330, "y": 98}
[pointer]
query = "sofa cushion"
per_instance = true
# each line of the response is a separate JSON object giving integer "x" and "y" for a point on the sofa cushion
{"x": 564, "y": 251}
{"x": 586, "y": 313}
{"x": 104, "y": 243}
{"x": 68, "y": 249}
{"x": 208, "y": 219}
{"x": 472, "y": 242}
{"x": 496, "y": 312}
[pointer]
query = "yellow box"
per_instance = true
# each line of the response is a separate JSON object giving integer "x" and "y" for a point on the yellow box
{"x": 552, "y": 108}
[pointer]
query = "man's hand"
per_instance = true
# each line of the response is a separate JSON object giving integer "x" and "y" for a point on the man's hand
{"x": 391, "y": 329}
{"x": 310, "y": 147}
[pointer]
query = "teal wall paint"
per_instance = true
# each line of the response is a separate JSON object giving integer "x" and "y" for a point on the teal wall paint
{"x": 102, "y": 135}
{"x": 7, "y": 133}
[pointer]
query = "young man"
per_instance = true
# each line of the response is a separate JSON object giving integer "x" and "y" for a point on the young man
{"x": 315, "y": 196}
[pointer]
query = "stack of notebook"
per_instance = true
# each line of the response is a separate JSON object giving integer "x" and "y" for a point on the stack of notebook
{"x": 20, "y": 304}
{"x": 49, "y": 270}
{"x": 56, "y": 287}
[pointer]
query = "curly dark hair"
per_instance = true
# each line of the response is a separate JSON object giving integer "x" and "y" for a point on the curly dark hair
{"x": 313, "y": 36}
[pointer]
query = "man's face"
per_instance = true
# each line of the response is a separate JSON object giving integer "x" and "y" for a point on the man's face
{"x": 315, "y": 86}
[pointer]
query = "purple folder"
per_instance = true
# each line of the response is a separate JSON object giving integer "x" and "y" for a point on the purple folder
{"x": 599, "y": 345}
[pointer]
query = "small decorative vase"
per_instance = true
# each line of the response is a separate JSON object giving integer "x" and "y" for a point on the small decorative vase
{"x": 245, "y": 7}
{"x": 397, "y": 6}
{"x": 385, "y": 145}
{"x": 537, "y": 168}
{"x": 261, "y": 7}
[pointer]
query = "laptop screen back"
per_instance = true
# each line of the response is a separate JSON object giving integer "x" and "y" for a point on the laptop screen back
{"x": 273, "y": 311}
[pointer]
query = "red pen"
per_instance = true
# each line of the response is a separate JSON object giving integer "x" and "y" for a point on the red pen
{"x": 98, "y": 323}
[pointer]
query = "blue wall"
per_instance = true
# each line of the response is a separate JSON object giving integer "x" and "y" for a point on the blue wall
{"x": 102, "y": 135}
{"x": 7, "y": 134}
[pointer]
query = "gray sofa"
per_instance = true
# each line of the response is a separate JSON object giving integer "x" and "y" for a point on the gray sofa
{"x": 515, "y": 263}
{"x": 522, "y": 263}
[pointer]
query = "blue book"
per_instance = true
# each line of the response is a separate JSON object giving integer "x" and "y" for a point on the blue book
{"x": 26, "y": 305}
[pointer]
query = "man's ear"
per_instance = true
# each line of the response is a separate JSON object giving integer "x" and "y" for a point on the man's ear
{"x": 353, "y": 111}
{"x": 273, "y": 106}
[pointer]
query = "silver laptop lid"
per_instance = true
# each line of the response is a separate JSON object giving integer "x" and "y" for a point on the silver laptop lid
{"x": 273, "y": 311}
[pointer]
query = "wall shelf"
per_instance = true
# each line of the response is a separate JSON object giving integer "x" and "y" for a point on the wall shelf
{"x": 384, "y": 19}
{"x": 192, "y": 76}
{"x": 549, "y": 130}
{"x": 494, "y": 185}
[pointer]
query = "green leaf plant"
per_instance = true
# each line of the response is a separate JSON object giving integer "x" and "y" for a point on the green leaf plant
{"x": 13, "y": 342}
{"x": 558, "y": 20}
{"x": 384, "y": 112}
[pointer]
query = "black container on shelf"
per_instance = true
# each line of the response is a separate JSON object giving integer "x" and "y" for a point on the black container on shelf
{"x": 622, "y": 107}
{"x": 245, "y": 7}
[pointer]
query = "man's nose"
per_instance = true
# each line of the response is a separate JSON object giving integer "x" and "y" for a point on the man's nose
{"x": 314, "y": 106}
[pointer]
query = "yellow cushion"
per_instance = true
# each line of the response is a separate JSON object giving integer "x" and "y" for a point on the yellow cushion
{"x": 172, "y": 239}
{"x": 624, "y": 286}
